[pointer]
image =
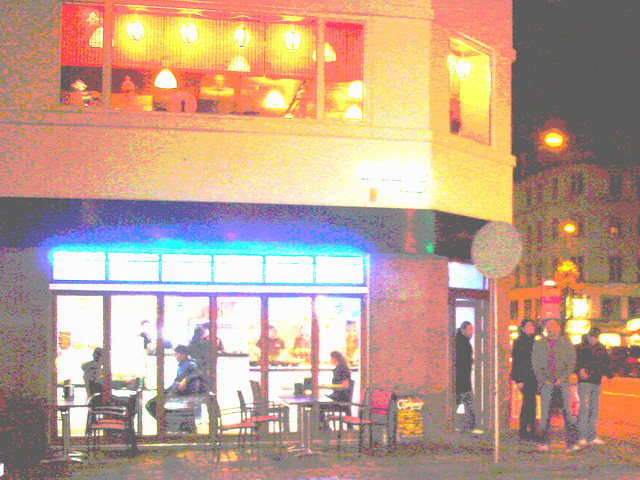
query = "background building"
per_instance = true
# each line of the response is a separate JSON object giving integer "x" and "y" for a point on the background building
{"x": 589, "y": 215}
{"x": 171, "y": 164}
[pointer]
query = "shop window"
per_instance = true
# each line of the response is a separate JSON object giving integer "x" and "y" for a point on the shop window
{"x": 577, "y": 184}
{"x": 610, "y": 307}
{"x": 210, "y": 62}
{"x": 238, "y": 268}
{"x": 469, "y": 92}
{"x": 579, "y": 307}
{"x": 634, "y": 307}
{"x": 340, "y": 270}
{"x": 140, "y": 267}
{"x": 186, "y": 268}
{"x": 288, "y": 269}
{"x": 615, "y": 269}
{"x": 79, "y": 265}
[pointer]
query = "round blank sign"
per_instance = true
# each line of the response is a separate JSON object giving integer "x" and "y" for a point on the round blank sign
{"x": 496, "y": 249}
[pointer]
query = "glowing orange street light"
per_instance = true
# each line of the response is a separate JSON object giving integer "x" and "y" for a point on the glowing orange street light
{"x": 553, "y": 139}
{"x": 569, "y": 228}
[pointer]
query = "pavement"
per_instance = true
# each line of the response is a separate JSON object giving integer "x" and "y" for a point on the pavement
{"x": 446, "y": 456}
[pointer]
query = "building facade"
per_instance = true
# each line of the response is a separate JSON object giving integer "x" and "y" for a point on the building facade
{"x": 588, "y": 215}
{"x": 307, "y": 171}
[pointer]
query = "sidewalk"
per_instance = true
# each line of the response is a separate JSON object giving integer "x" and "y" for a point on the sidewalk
{"x": 449, "y": 456}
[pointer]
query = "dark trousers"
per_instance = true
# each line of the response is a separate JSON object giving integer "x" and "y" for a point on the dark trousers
{"x": 528, "y": 410}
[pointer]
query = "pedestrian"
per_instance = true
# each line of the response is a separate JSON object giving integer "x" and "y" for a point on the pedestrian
{"x": 592, "y": 364}
{"x": 464, "y": 391}
{"x": 524, "y": 377}
{"x": 554, "y": 359}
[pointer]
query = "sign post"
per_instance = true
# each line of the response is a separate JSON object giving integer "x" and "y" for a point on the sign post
{"x": 495, "y": 251}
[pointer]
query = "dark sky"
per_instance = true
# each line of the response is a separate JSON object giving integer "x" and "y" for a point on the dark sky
{"x": 578, "y": 66}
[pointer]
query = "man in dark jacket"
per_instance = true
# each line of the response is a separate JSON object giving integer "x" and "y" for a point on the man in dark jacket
{"x": 592, "y": 364}
{"x": 464, "y": 392}
{"x": 525, "y": 379}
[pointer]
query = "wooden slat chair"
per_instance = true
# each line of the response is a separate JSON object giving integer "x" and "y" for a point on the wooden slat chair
{"x": 262, "y": 414}
{"x": 114, "y": 419}
{"x": 375, "y": 410}
{"x": 229, "y": 419}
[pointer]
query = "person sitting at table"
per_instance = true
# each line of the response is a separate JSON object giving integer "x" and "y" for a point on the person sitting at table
{"x": 93, "y": 373}
{"x": 340, "y": 383}
{"x": 188, "y": 381}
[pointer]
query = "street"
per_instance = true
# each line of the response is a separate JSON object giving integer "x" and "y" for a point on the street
{"x": 620, "y": 408}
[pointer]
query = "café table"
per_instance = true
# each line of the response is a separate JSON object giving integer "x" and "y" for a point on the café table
{"x": 64, "y": 406}
{"x": 305, "y": 404}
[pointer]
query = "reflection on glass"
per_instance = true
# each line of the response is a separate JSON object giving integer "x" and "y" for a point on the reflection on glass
{"x": 289, "y": 331}
{"x": 339, "y": 325}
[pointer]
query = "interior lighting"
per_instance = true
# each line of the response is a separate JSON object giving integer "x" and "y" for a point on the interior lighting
{"x": 353, "y": 113}
{"x": 633, "y": 325}
{"x": 452, "y": 63}
{"x": 241, "y": 37}
{"x": 136, "y": 31}
{"x": 166, "y": 79}
{"x": 329, "y": 53}
{"x": 274, "y": 100}
{"x": 239, "y": 64}
{"x": 292, "y": 40}
{"x": 97, "y": 38}
{"x": 189, "y": 33}
{"x": 463, "y": 69}
{"x": 356, "y": 90}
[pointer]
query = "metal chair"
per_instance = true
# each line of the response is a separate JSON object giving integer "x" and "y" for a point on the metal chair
{"x": 333, "y": 412}
{"x": 270, "y": 407}
{"x": 376, "y": 410}
{"x": 229, "y": 419}
{"x": 112, "y": 418}
{"x": 262, "y": 414}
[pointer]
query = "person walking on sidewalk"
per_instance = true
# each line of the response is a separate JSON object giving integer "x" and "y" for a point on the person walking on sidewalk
{"x": 464, "y": 392}
{"x": 525, "y": 379}
{"x": 554, "y": 359}
{"x": 592, "y": 364}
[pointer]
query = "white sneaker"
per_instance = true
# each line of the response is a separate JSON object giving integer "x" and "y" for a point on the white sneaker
{"x": 573, "y": 448}
{"x": 543, "y": 448}
{"x": 597, "y": 441}
{"x": 582, "y": 442}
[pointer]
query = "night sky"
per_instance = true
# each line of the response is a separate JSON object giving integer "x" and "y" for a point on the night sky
{"x": 578, "y": 68}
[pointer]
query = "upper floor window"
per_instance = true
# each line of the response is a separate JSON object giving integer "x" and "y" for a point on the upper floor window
{"x": 634, "y": 307}
{"x": 469, "y": 92}
{"x": 554, "y": 188}
{"x": 615, "y": 227}
{"x": 615, "y": 184}
{"x": 210, "y": 62}
{"x": 610, "y": 307}
{"x": 577, "y": 184}
{"x": 615, "y": 269}
{"x": 513, "y": 309}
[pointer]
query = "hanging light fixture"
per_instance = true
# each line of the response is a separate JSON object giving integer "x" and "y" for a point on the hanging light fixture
{"x": 353, "y": 113}
{"x": 97, "y": 38}
{"x": 239, "y": 64}
{"x": 241, "y": 37}
{"x": 166, "y": 79}
{"x": 292, "y": 40}
{"x": 452, "y": 63}
{"x": 135, "y": 30}
{"x": 329, "y": 53}
{"x": 189, "y": 33}
{"x": 356, "y": 90}
{"x": 274, "y": 100}
{"x": 463, "y": 69}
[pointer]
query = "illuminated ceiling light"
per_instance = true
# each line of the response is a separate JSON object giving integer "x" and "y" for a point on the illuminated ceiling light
{"x": 166, "y": 79}
{"x": 463, "y": 69}
{"x": 97, "y": 38}
{"x": 353, "y": 113}
{"x": 241, "y": 37}
{"x": 553, "y": 139}
{"x": 274, "y": 100}
{"x": 356, "y": 90}
{"x": 79, "y": 85}
{"x": 189, "y": 33}
{"x": 452, "y": 63}
{"x": 239, "y": 64}
{"x": 135, "y": 30}
{"x": 329, "y": 53}
{"x": 292, "y": 40}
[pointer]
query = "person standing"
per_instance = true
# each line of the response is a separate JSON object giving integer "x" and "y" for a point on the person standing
{"x": 592, "y": 364}
{"x": 464, "y": 391}
{"x": 525, "y": 379}
{"x": 554, "y": 359}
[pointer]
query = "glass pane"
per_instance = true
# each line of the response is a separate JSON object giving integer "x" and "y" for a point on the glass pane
{"x": 186, "y": 268}
{"x": 343, "y": 57}
{"x": 340, "y": 270}
{"x": 288, "y": 269}
{"x": 238, "y": 324}
{"x": 134, "y": 267}
{"x": 79, "y": 265}
{"x": 238, "y": 268}
{"x": 81, "y": 55}
{"x": 133, "y": 343}
{"x": 78, "y": 333}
